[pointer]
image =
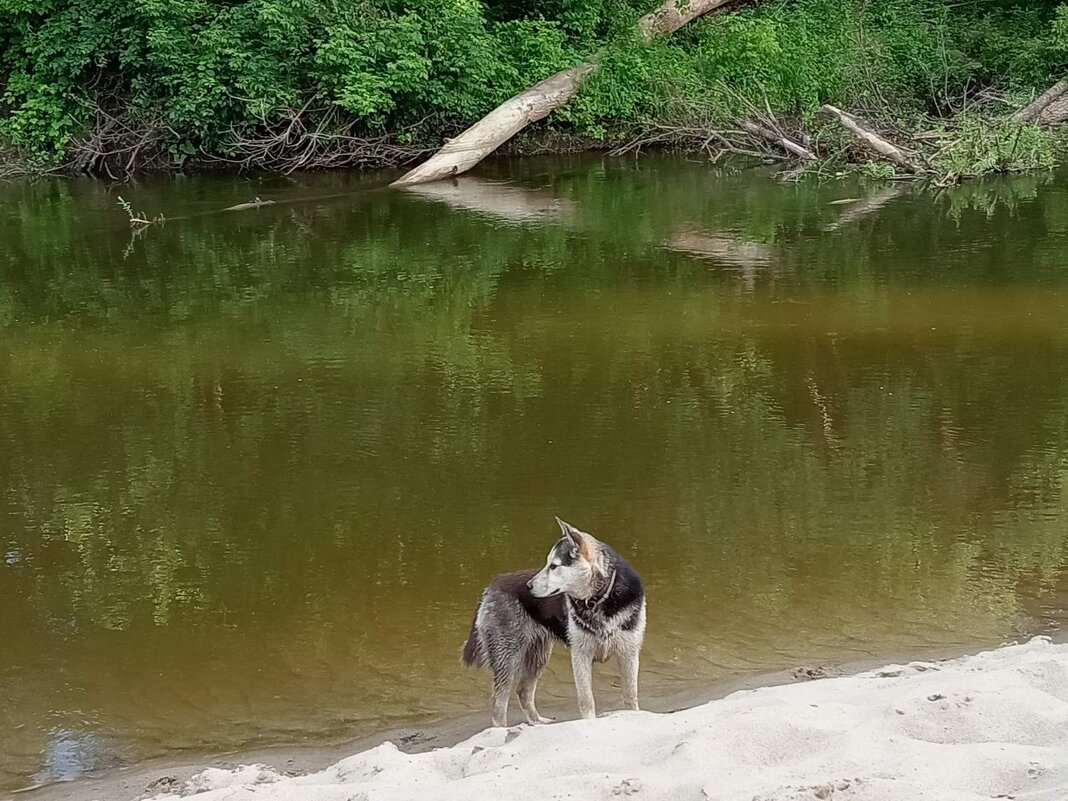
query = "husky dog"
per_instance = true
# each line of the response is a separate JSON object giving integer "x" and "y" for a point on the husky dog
{"x": 586, "y": 597}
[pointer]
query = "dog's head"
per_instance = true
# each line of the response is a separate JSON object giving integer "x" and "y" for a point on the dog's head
{"x": 573, "y": 566}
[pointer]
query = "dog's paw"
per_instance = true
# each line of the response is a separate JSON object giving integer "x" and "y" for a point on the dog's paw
{"x": 534, "y": 721}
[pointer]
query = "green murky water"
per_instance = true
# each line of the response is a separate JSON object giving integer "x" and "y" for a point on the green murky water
{"x": 255, "y": 466}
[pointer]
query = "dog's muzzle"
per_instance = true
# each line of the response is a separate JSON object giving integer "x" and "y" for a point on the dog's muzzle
{"x": 530, "y": 586}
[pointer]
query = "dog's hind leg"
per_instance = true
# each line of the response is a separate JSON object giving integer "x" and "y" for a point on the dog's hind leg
{"x": 504, "y": 650}
{"x": 534, "y": 660}
{"x": 502, "y": 688}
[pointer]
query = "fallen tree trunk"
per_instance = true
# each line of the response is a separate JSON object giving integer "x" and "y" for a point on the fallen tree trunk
{"x": 1056, "y": 113}
{"x": 1033, "y": 110}
{"x": 780, "y": 139}
{"x": 872, "y": 140}
{"x": 469, "y": 148}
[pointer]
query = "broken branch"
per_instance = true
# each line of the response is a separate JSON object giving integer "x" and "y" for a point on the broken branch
{"x": 872, "y": 140}
{"x": 1033, "y": 110}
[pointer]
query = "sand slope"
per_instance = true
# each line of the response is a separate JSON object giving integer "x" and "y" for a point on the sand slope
{"x": 994, "y": 725}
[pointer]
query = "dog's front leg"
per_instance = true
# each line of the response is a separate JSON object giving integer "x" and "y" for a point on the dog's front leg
{"x": 582, "y": 667}
{"x": 628, "y": 667}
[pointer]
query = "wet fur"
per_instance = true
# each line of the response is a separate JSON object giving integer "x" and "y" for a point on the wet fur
{"x": 587, "y": 597}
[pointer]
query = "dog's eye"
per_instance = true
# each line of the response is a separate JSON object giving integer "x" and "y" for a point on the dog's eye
{"x": 552, "y": 567}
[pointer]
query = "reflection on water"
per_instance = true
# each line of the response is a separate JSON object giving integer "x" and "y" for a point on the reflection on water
{"x": 257, "y": 466}
{"x": 498, "y": 199}
{"x": 72, "y": 754}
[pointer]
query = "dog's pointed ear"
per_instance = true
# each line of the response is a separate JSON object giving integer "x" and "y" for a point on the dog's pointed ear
{"x": 579, "y": 543}
{"x": 570, "y": 532}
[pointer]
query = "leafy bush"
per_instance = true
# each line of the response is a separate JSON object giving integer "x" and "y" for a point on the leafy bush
{"x": 975, "y": 146}
{"x": 181, "y": 77}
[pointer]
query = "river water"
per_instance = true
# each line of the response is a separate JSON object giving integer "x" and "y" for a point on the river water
{"x": 257, "y": 465}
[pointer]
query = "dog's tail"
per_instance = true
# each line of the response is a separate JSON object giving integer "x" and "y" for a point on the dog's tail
{"x": 472, "y": 652}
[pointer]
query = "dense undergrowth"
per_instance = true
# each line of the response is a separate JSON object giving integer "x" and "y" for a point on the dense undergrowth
{"x": 113, "y": 86}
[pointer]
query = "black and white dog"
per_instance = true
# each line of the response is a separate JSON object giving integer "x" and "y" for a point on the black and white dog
{"x": 586, "y": 596}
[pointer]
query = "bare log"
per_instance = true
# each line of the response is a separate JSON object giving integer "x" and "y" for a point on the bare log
{"x": 470, "y": 147}
{"x": 670, "y": 17}
{"x": 252, "y": 204}
{"x": 872, "y": 140}
{"x": 1056, "y": 113}
{"x": 780, "y": 139}
{"x": 1033, "y": 110}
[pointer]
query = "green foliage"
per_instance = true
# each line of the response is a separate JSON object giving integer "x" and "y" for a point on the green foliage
{"x": 1059, "y": 42}
{"x": 977, "y": 146}
{"x": 198, "y": 75}
{"x": 879, "y": 170}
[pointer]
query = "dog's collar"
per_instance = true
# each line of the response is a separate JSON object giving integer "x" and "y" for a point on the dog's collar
{"x": 592, "y": 603}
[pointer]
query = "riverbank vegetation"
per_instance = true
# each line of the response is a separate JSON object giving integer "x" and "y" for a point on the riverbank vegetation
{"x": 112, "y": 87}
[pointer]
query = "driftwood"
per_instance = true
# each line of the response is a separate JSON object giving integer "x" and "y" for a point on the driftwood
{"x": 312, "y": 138}
{"x": 872, "y": 140}
{"x": 470, "y": 147}
{"x": 763, "y": 124}
{"x": 1032, "y": 112}
{"x": 778, "y": 138}
{"x": 252, "y": 204}
{"x": 715, "y": 143}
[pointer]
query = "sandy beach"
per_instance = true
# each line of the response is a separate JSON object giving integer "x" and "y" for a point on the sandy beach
{"x": 990, "y": 725}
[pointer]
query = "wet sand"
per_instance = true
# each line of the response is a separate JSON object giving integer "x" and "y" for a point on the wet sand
{"x": 146, "y": 779}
